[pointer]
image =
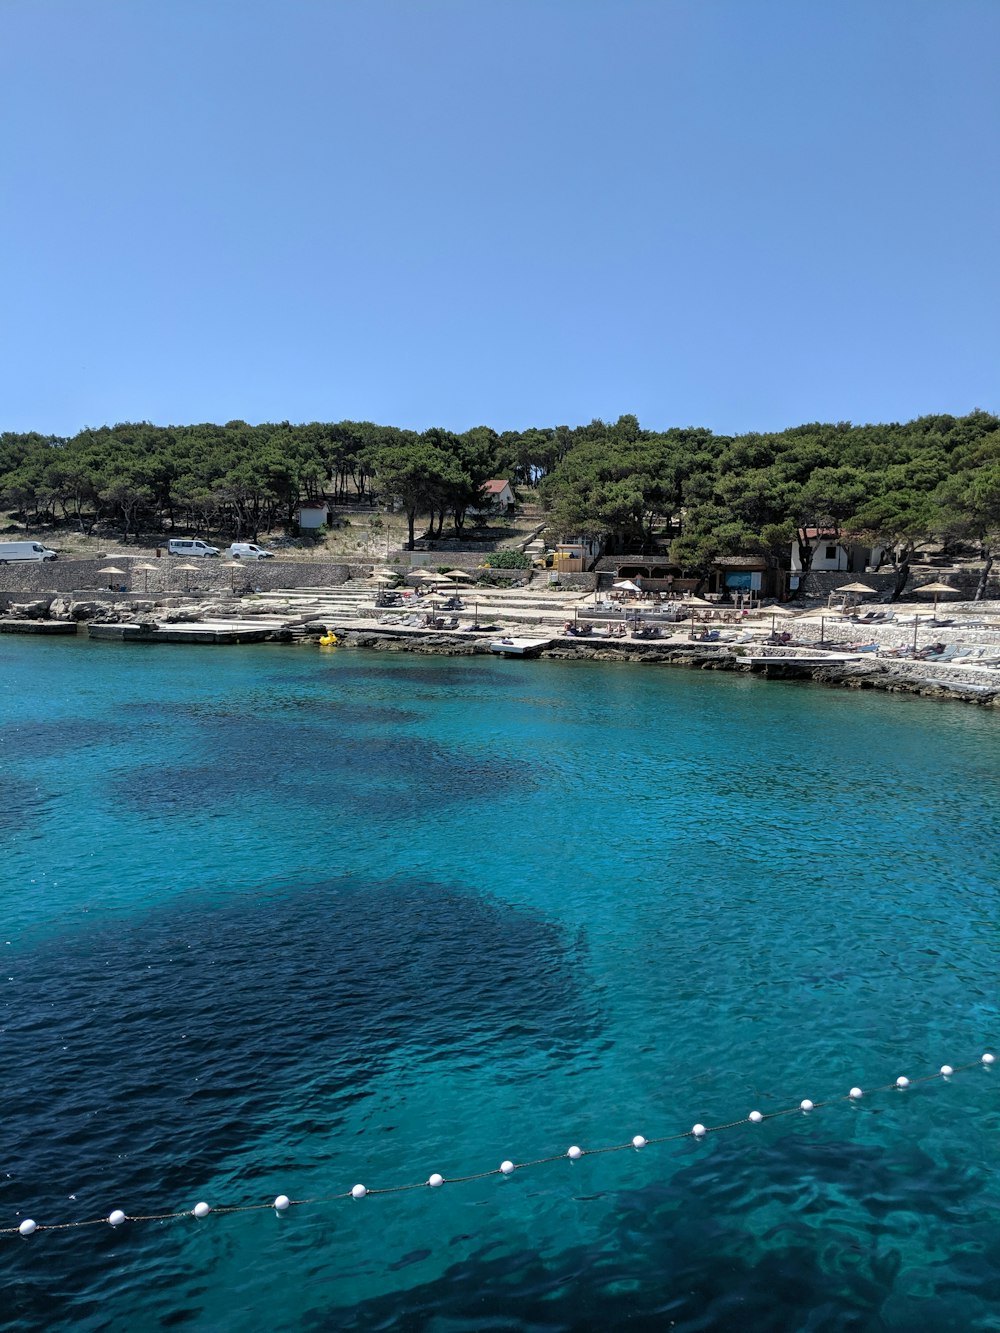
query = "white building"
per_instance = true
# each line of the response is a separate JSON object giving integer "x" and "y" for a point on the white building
{"x": 313, "y": 514}
{"x": 497, "y": 494}
{"x": 834, "y": 552}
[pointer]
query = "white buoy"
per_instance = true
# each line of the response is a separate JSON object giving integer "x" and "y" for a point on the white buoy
{"x": 988, "y": 1059}
{"x": 697, "y": 1130}
{"x": 435, "y": 1180}
{"x": 201, "y": 1210}
{"x": 281, "y": 1203}
{"x": 358, "y": 1192}
{"x": 946, "y": 1070}
{"x": 806, "y": 1105}
{"x": 638, "y": 1141}
{"x": 902, "y": 1081}
{"x": 116, "y": 1218}
{"x": 856, "y": 1093}
{"x": 28, "y": 1227}
{"x": 574, "y": 1152}
{"x": 755, "y": 1117}
{"x": 506, "y": 1167}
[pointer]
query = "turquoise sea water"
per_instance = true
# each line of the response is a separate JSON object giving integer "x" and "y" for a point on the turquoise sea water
{"x": 278, "y": 920}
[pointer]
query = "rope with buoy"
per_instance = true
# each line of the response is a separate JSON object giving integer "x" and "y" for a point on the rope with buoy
{"x": 283, "y": 1203}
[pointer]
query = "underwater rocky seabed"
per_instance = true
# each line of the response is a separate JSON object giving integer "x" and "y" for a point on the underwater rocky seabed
{"x": 279, "y": 921}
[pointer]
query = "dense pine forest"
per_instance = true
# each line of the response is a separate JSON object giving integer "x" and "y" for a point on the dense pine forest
{"x": 697, "y": 494}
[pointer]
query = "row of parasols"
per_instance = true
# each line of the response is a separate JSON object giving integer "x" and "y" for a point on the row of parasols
{"x": 424, "y": 576}
{"x": 847, "y": 591}
{"x": 112, "y": 572}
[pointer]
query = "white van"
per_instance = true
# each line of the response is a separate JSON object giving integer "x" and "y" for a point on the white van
{"x": 190, "y": 546}
{"x": 248, "y": 551}
{"x": 25, "y": 551}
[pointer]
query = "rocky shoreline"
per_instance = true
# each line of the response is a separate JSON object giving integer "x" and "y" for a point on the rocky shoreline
{"x": 868, "y": 672}
{"x": 891, "y": 677}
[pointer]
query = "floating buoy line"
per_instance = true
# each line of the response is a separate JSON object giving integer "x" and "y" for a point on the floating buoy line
{"x": 282, "y": 1204}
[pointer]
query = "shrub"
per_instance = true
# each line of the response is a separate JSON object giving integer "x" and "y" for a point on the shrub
{"x": 508, "y": 560}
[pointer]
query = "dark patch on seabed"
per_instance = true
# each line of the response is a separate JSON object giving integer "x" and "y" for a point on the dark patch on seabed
{"x": 45, "y": 738}
{"x": 256, "y": 704}
{"x": 684, "y": 1256}
{"x": 20, "y": 803}
{"x": 352, "y": 714}
{"x": 456, "y": 672}
{"x": 407, "y": 770}
{"x": 141, "y": 1056}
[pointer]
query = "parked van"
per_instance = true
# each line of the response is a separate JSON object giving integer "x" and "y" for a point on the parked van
{"x": 190, "y": 546}
{"x": 25, "y": 551}
{"x": 248, "y": 551}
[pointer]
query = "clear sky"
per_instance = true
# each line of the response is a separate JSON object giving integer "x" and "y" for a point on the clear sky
{"x": 742, "y": 214}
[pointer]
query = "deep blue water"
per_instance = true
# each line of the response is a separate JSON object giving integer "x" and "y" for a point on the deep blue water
{"x": 277, "y": 920}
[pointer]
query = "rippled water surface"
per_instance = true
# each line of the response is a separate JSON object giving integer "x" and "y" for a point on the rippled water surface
{"x": 280, "y": 921}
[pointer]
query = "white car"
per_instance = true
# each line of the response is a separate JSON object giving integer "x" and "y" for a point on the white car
{"x": 248, "y": 551}
{"x": 190, "y": 546}
{"x": 24, "y": 551}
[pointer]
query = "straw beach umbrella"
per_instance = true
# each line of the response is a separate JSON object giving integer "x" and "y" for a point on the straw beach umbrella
{"x": 234, "y": 565}
{"x": 147, "y": 569}
{"x": 188, "y": 571}
{"x": 110, "y": 570}
{"x": 937, "y": 589}
{"x": 774, "y": 612}
{"x": 852, "y": 589}
{"x": 459, "y": 576}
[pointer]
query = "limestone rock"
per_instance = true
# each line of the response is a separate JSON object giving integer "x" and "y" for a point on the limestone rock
{"x": 29, "y": 610}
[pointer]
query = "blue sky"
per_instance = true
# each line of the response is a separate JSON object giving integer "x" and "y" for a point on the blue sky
{"x": 743, "y": 214}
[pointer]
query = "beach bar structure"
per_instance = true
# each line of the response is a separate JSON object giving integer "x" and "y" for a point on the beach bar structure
{"x": 750, "y": 575}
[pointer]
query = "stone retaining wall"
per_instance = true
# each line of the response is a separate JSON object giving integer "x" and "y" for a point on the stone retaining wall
{"x": 36, "y": 578}
{"x": 823, "y": 582}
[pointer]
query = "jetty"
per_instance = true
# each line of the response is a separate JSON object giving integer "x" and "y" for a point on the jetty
{"x": 205, "y": 631}
{"x": 14, "y": 625}
{"x": 510, "y": 647}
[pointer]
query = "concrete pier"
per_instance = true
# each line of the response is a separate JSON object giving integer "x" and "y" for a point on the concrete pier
{"x": 11, "y": 625}
{"x": 201, "y": 632}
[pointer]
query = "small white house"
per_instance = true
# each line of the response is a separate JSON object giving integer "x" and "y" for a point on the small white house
{"x": 313, "y": 514}
{"x": 832, "y": 552}
{"x": 497, "y": 494}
